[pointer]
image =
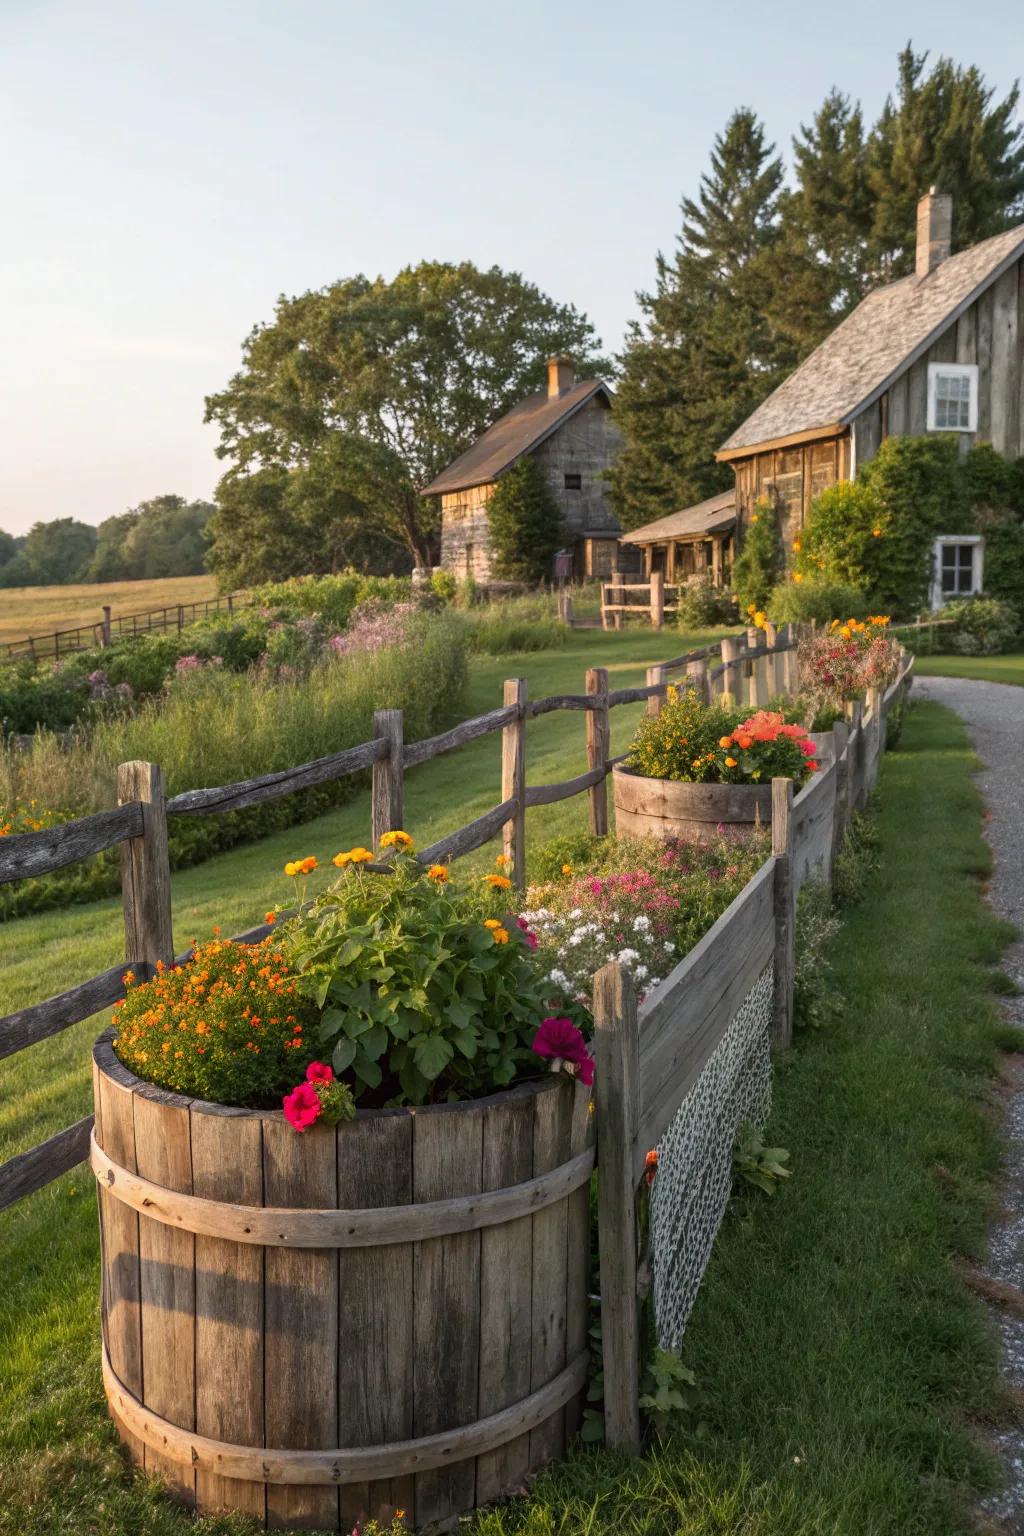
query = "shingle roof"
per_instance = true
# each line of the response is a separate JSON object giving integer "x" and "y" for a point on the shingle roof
{"x": 711, "y": 516}
{"x": 520, "y": 429}
{"x": 885, "y": 333}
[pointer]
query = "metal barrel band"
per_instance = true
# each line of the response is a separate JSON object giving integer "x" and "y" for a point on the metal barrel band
{"x": 374, "y": 1226}
{"x": 354, "y": 1465}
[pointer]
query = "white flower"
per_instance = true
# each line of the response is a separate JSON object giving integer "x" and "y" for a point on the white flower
{"x": 642, "y": 923}
{"x": 627, "y": 956}
{"x": 639, "y": 972}
{"x": 669, "y": 948}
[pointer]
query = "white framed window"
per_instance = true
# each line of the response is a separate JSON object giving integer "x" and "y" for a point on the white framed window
{"x": 952, "y": 397}
{"x": 957, "y": 566}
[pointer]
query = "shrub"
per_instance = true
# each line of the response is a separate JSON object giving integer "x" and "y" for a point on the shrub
{"x": 759, "y": 564}
{"x": 840, "y": 663}
{"x": 443, "y": 585}
{"x": 1004, "y": 562}
{"x": 527, "y": 528}
{"x": 805, "y": 602}
{"x": 332, "y": 597}
{"x": 427, "y": 989}
{"x": 982, "y": 626}
{"x": 231, "y": 1026}
{"x": 701, "y": 605}
{"x": 697, "y": 743}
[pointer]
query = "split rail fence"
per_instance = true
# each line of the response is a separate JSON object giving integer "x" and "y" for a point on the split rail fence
{"x": 652, "y": 1058}
{"x": 63, "y": 642}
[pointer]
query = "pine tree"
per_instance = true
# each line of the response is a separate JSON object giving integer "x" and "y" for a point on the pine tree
{"x": 706, "y": 350}
{"x": 526, "y": 524}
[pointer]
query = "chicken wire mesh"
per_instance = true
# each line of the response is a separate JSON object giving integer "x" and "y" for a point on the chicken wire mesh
{"x": 691, "y": 1190}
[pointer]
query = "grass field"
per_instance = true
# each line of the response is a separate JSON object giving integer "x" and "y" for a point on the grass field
{"x": 40, "y": 610}
{"x": 842, "y": 1356}
{"x": 992, "y": 669}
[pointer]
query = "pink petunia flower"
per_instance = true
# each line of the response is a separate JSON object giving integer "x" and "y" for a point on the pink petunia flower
{"x": 560, "y": 1040}
{"x": 302, "y": 1106}
{"x": 319, "y": 1072}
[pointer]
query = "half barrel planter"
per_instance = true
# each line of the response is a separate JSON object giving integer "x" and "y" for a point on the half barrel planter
{"x": 320, "y": 1328}
{"x": 699, "y": 813}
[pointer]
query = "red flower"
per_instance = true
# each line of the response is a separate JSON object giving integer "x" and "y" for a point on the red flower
{"x": 302, "y": 1106}
{"x": 319, "y": 1072}
{"x": 560, "y": 1040}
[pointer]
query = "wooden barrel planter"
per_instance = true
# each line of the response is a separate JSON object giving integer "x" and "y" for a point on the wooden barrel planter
{"x": 326, "y": 1327}
{"x": 695, "y": 812}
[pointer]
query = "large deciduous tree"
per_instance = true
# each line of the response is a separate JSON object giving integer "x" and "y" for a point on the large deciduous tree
{"x": 358, "y": 394}
{"x": 164, "y": 536}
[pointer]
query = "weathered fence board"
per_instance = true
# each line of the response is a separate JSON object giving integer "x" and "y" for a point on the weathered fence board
{"x": 28, "y": 1171}
{"x": 40, "y": 1020}
{"x": 814, "y": 813}
{"x": 270, "y": 786}
{"x": 40, "y": 853}
{"x": 469, "y": 730}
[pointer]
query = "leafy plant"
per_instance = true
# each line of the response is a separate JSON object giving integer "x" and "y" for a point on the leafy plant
{"x": 669, "y": 1395}
{"x": 804, "y": 602}
{"x": 697, "y": 743}
{"x": 759, "y": 562}
{"x": 856, "y": 860}
{"x": 816, "y": 927}
{"x": 754, "y": 1163}
{"x": 701, "y": 605}
{"x": 425, "y": 992}
{"x": 526, "y": 524}
{"x": 982, "y": 626}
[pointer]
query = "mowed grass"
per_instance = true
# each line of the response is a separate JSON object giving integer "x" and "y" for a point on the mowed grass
{"x": 842, "y": 1356}
{"x": 40, "y": 610}
{"x": 991, "y": 669}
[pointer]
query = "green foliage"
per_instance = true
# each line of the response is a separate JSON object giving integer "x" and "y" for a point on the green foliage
{"x": 358, "y": 394}
{"x": 982, "y": 626}
{"x": 856, "y": 861}
{"x": 669, "y": 1396}
{"x": 332, "y": 598}
{"x": 425, "y": 994}
{"x": 794, "y": 602}
{"x": 165, "y": 536}
{"x": 759, "y": 562}
{"x": 51, "y": 554}
{"x": 702, "y": 605}
{"x": 840, "y": 550}
{"x": 526, "y": 524}
{"x": 754, "y": 1163}
{"x": 443, "y": 585}
{"x": 816, "y": 928}
{"x": 569, "y": 853}
{"x": 511, "y": 624}
{"x": 187, "y": 1028}
{"x": 1004, "y": 563}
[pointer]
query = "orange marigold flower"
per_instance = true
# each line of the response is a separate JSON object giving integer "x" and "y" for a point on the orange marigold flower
{"x": 499, "y": 882}
{"x": 396, "y": 839}
{"x": 128, "y": 978}
{"x": 730, "y": 762}
{"x": 743, "y": 742}
{"x": 725, "y": 741}
{"x": 566, "y": 869}
{"x": 492, "y": 923}
{"x": 270, "y": 917}
{"x": 499, "y": 935}
{"x": 798, "y": 575}
{"x": 503, "y": 861}
{"x": 438, "y": 872}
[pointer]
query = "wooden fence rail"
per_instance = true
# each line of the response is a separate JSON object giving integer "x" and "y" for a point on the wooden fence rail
{"x": 139, "y": 826}
{"x": 81, "y": 637}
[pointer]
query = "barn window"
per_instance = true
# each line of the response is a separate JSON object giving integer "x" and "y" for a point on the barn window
{"x": 574, "y": 482}
{"x": 952, "y": 397}
{"x": 957, "y": 567}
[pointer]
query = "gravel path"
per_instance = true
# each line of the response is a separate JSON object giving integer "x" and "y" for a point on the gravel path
{"x": 994, "y": 716}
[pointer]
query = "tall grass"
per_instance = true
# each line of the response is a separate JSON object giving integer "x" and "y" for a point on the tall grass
{"x": 527, "y": 623}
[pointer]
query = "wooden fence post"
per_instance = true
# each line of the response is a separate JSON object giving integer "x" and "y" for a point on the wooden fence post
{"x": 657, "y": 599}
{"x": 840, "y": 734}
{"x": 604, "y": 602}
{"x": 146, "y": 868}
{"x": 655, "y": 677}
{"x": 785, "y": 912}
{"x": 597, "y": 747}
{"x": 513, "y": 780}
{"x": 791, "y": 662}
{"x": 855, "y": 756}
{"x": 617, "y": 1096}
{"x": 876, "y": 738}
{"x": 105, "y": 626}
{"x": 387, "y": 795}
{"x": 733, "y": 674}
{"x": 697, "y": 678}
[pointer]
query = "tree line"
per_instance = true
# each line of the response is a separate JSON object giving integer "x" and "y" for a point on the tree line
{"x": 163, "y": 537}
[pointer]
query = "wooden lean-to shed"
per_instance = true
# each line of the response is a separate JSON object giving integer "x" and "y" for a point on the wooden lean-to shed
{"x": 696, "y": 542}
{"x": 939, "y": 351}
{"x": 570, "y": 430}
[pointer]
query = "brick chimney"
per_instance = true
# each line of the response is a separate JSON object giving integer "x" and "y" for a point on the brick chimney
{"x": 934, "y": 230}
{"x": 561, "y": 376}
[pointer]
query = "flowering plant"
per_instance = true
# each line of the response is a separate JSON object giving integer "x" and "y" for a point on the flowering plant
{"x": 427, "y": 988}
{"x": 230, "y": 1025}
{"x": 320, "y": 1097}
{"x": 560, "y": 1042}
{"x": 850, "y": 656}
{"x": 697, "y": 743}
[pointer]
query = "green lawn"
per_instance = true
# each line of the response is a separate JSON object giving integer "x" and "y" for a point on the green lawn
{"x": 992, "y": 669}
{"x": 842, "y": 1356}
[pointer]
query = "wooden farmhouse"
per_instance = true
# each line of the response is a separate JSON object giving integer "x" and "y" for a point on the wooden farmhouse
{"x": 568, "y": 428}
{"x": 939, "y": 351}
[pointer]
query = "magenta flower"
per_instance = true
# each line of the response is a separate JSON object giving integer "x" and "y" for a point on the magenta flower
{"x": 319, "y": 1072}
{"x": 302, "y": 1106}
{"x": 560, "y": 1040}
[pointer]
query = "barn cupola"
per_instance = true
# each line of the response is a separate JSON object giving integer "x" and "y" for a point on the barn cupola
{"x": 934, "y": 230}
{"x": 561, "y": 376}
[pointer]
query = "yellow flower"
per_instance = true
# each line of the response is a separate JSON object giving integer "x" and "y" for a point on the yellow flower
{"x": 499, "y": 935}
{"x": 846, "y": 632}
{"x": 499, "y": 882}
{"x": 876, "y": 533}
{"x": 760, "y": 618}
{"x": 566, "y": 869}
{"x": 730, "y": 762}
{"x": 725, "y": 741}
{"x": 353, "y": 856}
{"x": 798, "y": 575}
{"x": 492, "y": 923}
{"x": 293, "y": 868}
{"x": 437, "y": 872}
{"x": 751, "y": 609}
{"x": 396, "y": 840}
{"x": 503, "y": 861}
{"x": 754, "y": 516}
{"x": 796, "y": 546}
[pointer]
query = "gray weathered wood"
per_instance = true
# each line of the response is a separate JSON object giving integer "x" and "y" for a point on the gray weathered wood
{"x": 469, "y": 730}
{"x": 28, "y": 1171}
{"x": 559, "y": 701}
{"x": 506, "y": 1295}
{"x": 301, "y": 1309}
{"x": 552, "y": 1130}
{"x": 167, "y": 1281}
{"x": 657, "y": 599}
{"x": 655, "y": 680}
{"x": 840, "y": 756}
{"x": 40, "y": 1020}
{"x": 731, "y": 660}
{"x": 27, "y": 854}
{"x": 814, "y": 811}
{"x": 375, "y": 1290}
{"x": 1006, "y": 364}
{"x": 683, "y": 1020}
{"x": 617, "y": 1089}
{"x": 598, "y": 740}
{"x": 146, "y": 867}
{"x": 386, "y": 797}
{"x": 119, "y": 1226}
{"x": 784, "y": 890}
{"x": 513, "y": 780}
{"x": 471, "y": 836}
{"x": 447, "y": 1161}
{"x": 582, "y": 1136}
{"x": 271, "y": 786}
{"x": 549, "y": 794}
{"x": 227, "y": 1164}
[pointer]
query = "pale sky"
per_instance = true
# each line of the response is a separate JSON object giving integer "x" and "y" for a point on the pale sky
{"x": 170, "y": 167}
